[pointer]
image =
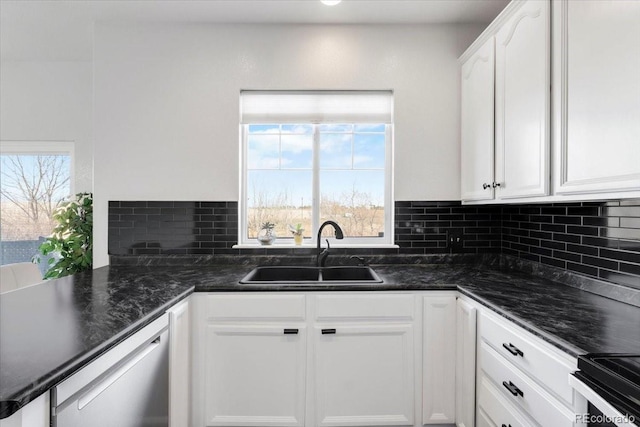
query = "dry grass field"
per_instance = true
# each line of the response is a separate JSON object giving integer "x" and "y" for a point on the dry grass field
{"x": 360, "y": 221}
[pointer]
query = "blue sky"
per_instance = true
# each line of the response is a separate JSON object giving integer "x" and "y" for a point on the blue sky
{"x": 281, "y": 162}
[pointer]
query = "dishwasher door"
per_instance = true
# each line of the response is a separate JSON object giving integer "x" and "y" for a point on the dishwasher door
{"x": 132, "y": 392}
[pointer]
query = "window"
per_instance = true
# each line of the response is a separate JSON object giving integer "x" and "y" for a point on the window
{"x": 308, "y": 157}
{"x": 34, "y": 177}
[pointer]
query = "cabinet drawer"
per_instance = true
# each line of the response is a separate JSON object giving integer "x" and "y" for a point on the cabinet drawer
{"x": 541, "y": 363}
{"x": 493, "y": 406}
{"x": 522, "y": 391}
{"x": 365, "y": 307}
{"x": 255, "y": 307}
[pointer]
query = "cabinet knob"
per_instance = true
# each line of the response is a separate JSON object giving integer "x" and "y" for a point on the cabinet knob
{"x": 513, "y": 349}
{"x": 512, "y": 388}
{"x": 495, "y": 184}
{"x": 485, "y": 186}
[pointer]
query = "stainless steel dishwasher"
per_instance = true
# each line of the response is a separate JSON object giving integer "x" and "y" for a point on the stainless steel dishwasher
{"x": 125, "y": 387}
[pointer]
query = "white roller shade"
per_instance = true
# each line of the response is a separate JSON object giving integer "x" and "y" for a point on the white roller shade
{"x": 316, "y": 107}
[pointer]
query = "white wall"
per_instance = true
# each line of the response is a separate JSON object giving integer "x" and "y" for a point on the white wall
{"x": 50, "y": 101}
{"x": 166, "y": 102}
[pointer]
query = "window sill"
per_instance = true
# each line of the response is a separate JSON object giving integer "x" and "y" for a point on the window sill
{"x": 313, "y": 246}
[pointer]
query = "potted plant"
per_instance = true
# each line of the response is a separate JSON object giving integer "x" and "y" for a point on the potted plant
{"x": 266, "y": 235}
{"x": 297, "y": 233}
{"x": 71, "y": 242}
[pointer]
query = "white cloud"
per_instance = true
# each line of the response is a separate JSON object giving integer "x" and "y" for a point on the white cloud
{"x": 331, "y": 143}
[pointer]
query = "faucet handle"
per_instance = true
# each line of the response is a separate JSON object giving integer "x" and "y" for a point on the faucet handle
{"x": 328, "y": 245}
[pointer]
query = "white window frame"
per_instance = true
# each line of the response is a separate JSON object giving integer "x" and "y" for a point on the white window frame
{"x": 387, "y": 241}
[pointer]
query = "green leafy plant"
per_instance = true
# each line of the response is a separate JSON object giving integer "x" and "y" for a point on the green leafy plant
{"x": 71, "y": 242}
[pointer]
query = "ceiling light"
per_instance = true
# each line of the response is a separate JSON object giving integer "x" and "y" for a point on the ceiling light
{"x": 330, "y": 2}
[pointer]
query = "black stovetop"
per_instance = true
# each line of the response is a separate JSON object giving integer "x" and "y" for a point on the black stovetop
{"x": 616, "y": 377}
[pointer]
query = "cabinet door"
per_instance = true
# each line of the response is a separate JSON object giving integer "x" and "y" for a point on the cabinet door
{"x": 439, "y": 360}
{"x": 364, "y": 375}
{"x": 179, "y": 365}
{"x": 522, "y": 102}
{"x": 465, "y": 364}
{"x": 597, "y": 96}
{"x": 477, "y": 118}
{"x": 255, "y": 375}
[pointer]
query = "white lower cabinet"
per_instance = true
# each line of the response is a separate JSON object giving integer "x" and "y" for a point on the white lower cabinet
{"x": 465, "y": 363}
{"x": 363, "y": 374}
{"x": 521, "y": 380}
{"x": 255, "y": 375}
{"x": 439, "y": 360}
{"x": 522, "y": 391}
{"x": 249, "y": 360}
{"x": 324, "y": 359}
{"x": 179, "y": 364}
{"x": 321, "y": 359}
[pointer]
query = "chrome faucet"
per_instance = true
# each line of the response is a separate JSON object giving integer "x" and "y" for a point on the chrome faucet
{"x": 322, "y": 256}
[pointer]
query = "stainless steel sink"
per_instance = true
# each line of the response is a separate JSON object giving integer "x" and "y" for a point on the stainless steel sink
{"x": 275, "y": 275}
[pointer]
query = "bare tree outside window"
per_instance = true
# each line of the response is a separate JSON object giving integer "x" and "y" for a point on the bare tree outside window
{"x": 30, "y": 188}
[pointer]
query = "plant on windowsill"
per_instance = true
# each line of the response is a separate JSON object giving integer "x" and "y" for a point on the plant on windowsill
{"x": 297, "y": 233}
{"x": 71, "y": 242}
{"x": 266, "y": 235}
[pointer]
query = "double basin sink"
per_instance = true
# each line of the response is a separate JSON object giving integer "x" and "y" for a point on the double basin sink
{"x": 303, "y": 275}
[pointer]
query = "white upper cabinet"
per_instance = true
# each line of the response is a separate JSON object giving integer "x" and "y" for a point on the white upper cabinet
{"x": 597, "y": 96}
{"x": 522, "y": 103}
{"x": 506, "y": 81}
{"x": 566, "y": 85}
{"x": 477, "y": 120}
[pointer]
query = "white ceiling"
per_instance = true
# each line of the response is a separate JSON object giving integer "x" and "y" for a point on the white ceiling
{"x": 63, "y": 29}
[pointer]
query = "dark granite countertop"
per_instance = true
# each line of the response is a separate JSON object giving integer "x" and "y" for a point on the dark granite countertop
{"x": 48, "y": 332}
